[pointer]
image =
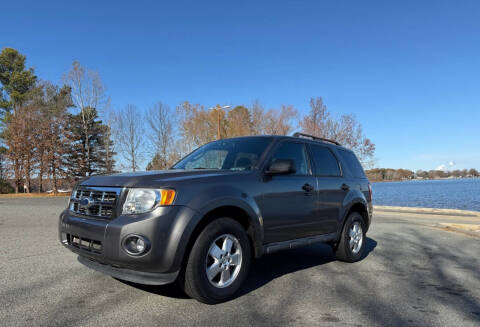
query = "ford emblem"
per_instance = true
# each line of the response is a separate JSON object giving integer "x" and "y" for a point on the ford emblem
{"x": 86, "y": 202}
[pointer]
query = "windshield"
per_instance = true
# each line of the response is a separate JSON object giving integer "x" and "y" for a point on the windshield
{"x": 233, "y": 154}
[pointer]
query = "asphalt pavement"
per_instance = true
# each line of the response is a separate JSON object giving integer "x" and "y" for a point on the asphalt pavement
{"x": 415, "y": 273}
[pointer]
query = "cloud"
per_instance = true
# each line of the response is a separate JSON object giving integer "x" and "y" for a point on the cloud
{"x": 441, "y": 167}
{"x": 445, "y": 167}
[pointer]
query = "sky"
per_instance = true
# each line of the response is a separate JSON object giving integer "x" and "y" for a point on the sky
{"x": 408, "y": 70}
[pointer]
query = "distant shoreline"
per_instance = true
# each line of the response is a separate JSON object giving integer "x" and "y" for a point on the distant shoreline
{"x": 423, "y": 179}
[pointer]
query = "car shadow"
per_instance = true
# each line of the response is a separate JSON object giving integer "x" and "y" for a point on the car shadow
{"x": 267, "y": 268}
{"x": 272, "y": 266}
{"x": 170, "y": 290}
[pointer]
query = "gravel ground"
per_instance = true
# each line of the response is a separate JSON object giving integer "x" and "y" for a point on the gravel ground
{"x": 414, "y": 274}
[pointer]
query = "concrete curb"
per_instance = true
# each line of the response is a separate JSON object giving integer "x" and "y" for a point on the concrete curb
{"x": 431, "y": 211}
{"x": 468, "y": 229}
{"x": 33, "y": 195}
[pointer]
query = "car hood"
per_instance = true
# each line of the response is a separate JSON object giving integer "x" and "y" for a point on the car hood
{"x": 157, "y": 178}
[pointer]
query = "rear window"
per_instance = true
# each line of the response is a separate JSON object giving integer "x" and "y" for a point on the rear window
{"x": 353, "y": 165}
{"x": 325, "y": 162}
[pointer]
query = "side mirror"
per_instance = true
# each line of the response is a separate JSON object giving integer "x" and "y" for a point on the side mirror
{"x": 281, "y": 167}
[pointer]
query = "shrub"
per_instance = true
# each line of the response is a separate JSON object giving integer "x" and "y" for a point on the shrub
{"x": 5, "y": 187}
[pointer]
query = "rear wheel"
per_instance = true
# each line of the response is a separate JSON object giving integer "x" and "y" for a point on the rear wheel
{"x": 218, "y": 262}
{"x": 351, "y": 245}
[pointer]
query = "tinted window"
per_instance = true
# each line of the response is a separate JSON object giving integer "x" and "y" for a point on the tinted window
{"x": 353, "y": 165}
{"x": 233, "y": 154}
{"x": 325, "y": 162}
{"x": 295, "y": 152}
{"x": 212, "y": 159}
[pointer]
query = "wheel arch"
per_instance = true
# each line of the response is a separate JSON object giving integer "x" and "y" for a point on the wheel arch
{"x": 236, "y": 209}
{"x": 237, "y": 213}
{"x": 359, "y": 206}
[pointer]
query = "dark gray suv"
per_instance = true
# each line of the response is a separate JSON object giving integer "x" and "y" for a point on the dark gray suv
{"x": 203, "y": 221}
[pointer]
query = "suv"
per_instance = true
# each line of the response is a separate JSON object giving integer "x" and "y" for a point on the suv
{"x": 203, "y": 221}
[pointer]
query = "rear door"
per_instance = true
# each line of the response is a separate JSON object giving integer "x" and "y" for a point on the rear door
{"x": 288, "y": 201}
{"x": 331, "y": 186}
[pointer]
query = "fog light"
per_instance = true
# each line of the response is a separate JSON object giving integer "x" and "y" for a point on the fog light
{"x": 140, "y": 245}
{"x": 136, "y": 245}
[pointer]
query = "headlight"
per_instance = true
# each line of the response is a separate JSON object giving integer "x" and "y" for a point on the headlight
{"x": 140, "y": 200}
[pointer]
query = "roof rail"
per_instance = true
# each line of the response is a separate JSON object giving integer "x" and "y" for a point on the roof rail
{"x": 308, "y": 136}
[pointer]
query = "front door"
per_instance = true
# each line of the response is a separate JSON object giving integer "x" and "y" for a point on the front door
{"x": 288, "y": 202}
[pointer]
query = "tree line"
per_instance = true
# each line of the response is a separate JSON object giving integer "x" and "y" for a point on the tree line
{"x": 51, "y": 134}
{"x": 388, "y": 174}
{"x": 48, "y": 132}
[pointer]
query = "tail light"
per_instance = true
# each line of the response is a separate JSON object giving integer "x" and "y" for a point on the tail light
{"x": 370, "y": 191}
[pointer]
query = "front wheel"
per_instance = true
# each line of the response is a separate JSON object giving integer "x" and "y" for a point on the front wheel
{"x": 218, "y": 263}
{"x": 351, "y": 245}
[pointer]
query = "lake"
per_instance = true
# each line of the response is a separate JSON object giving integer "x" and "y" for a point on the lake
{"x": 448, "y": 194}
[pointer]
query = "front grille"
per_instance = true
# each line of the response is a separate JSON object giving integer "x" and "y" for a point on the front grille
{"x": 98, "y": 202}
{"x": 84, "y": 243}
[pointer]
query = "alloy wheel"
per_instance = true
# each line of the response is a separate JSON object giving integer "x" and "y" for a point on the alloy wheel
{"x": 223, "y": 261}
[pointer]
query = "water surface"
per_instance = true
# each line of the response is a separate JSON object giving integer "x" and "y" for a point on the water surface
{"x": 447, "y": 194}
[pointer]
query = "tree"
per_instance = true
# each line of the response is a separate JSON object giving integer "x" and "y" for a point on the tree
{"x": 14, "y": 138}
{"x": 5, "y": 187}
{"x": 21, "y": 136}
{"x": 318, "y": 119}
{"x": 346, "y": 130}
{"x": 473, "y": 172}
{"x": 88, "y": 95}
{"x": 157, "y": 163}
{"x": 109, "y": 145}
{"x": 3, "y": 150}
{"x": 422, "y": 174}
{"x": 129, "y": 136}
{"x": 257, "y": 116}
{"x": 280, "y": 122}
{"x": 161, "y": 121}
{"x": 273, "y": 121}
{"x": 86, "y": 155}
{"x": 17, "y": 82}
{"x": 239, "y": 122}
{"x": 52, "y": 141}
{"x": 198, "y": 125}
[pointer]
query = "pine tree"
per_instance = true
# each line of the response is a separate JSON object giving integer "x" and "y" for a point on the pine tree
{"x": 100, "y": 160}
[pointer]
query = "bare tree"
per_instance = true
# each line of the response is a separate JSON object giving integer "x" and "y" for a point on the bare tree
{"x": 280, "y": 122}
{"x": 318, "y": 118}
{"x": 129, "y": 126}
{"x": 198, "y": 125}
{"x": 18, "y": 138}
{"x": 346, "y": 130}
{"x": 161, "y": 121}
{"x": 87, "y": 92}
{"x": 256, "y": 113}
{"x": 273, "y": 121}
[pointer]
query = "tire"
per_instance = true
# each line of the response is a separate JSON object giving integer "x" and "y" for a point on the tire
{"x": 216, "y": 288}
{"x": 351, "y": 249}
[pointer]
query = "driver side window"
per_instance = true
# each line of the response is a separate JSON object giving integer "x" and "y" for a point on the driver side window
{"x": 295, "y": 152}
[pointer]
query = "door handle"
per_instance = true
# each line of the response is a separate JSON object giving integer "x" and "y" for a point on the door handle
{"x": 307, "y": 188}
{"x": 345, "y": 187}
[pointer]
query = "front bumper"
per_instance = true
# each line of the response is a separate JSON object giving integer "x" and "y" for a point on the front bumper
{"x": 100, "y": 241}
{"x": 140, "y": 277}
